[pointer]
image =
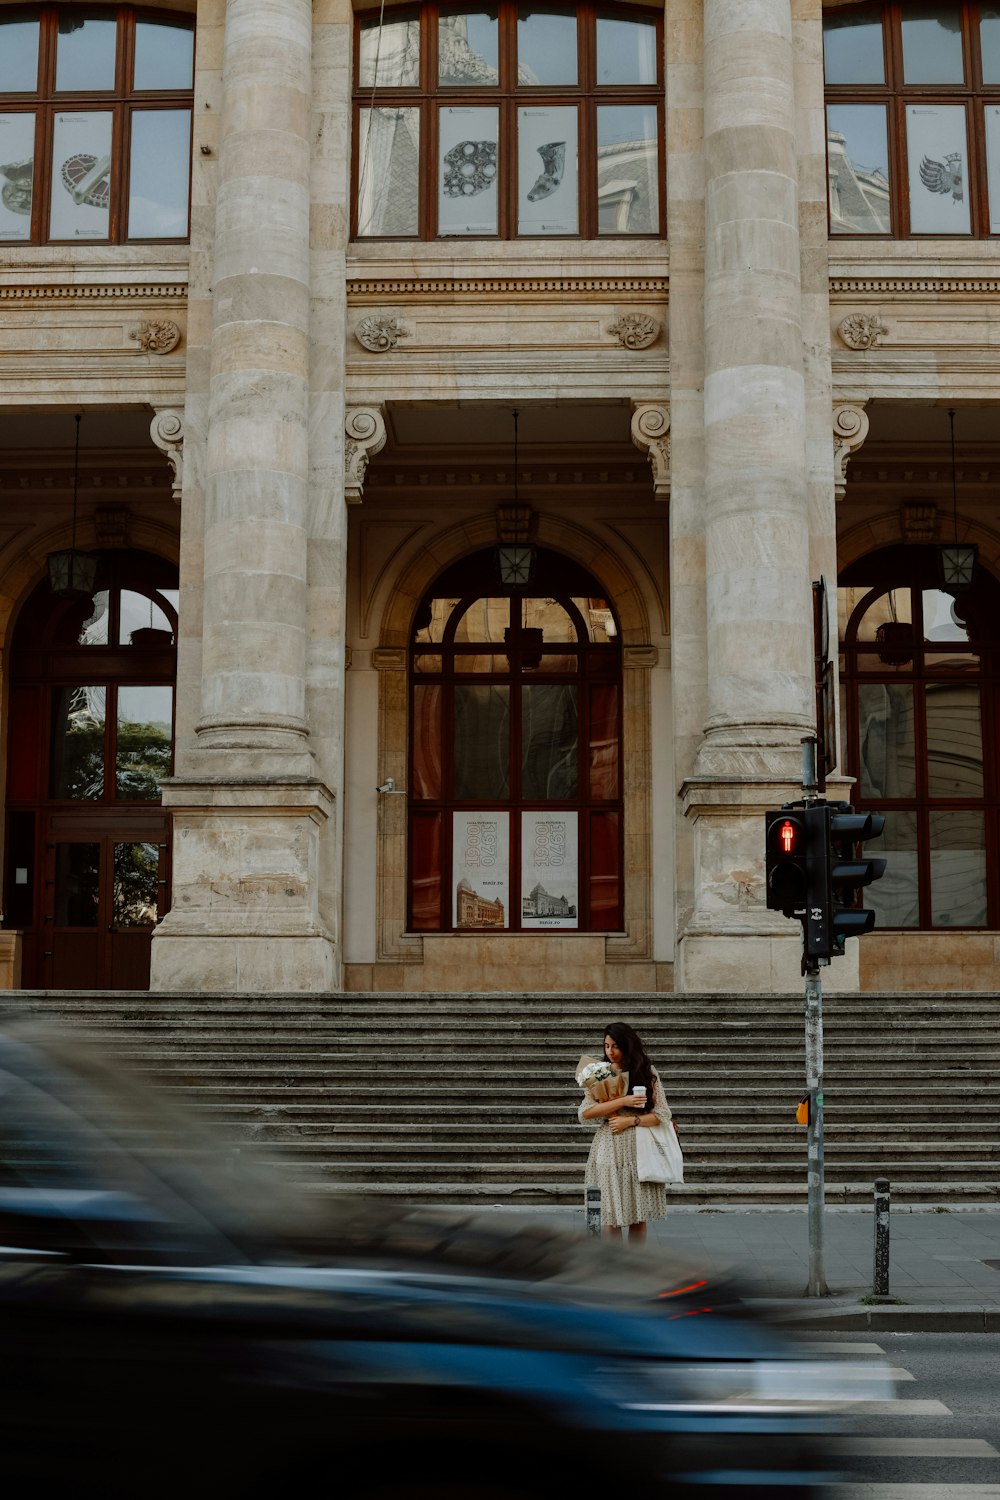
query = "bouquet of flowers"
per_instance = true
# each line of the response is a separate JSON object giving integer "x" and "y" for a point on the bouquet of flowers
{"x": 599, "y": 1079}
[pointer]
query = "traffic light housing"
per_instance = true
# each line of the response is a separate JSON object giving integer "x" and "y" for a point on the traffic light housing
{"x": 814, "y": 871}
{"x": 785, "y": 860}
{"x": 851, "y": 871}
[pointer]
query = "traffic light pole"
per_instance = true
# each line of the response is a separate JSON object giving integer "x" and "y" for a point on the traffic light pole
{"x": 814, "y": 1075}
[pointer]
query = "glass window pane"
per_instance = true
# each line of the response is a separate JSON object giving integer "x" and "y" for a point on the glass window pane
{"x": 989, "y": 39}
{"x": 852, "y": 47}
{"x": 477, "y": 661}
{"x": 77, "y": 888}
{"x": 605, "y": 873}
{"x": 546, "y": 46}
{"x": 425, "y": 873}
{"x": 895, "y": 897}
{"x": 885, "y": 738}
{"x": 431, "y": 619}
{"x": 550, "y": 757}
{"x": 891, "y": 608}
{"x": 546, "y": 170}
{"x": 604, "y": 742}
{"x": 992, "y": 115}
{"x": 426, "y": 743}
{"x": 549, "y": 616}
{"x": 550, "y": 870}
{"x": 958, "y": 869}
{"x": 390, "y": 53}
{"x": 94, "y": 630}
{"x": 138, "y": 614}
{"x": 954, "y": 740}
{"x": 940, "y": 620}
{"x": 427, "y": 664}
{"x": 936, "y": 153}
{"x": 468, "y": 48}
{"x": 77, "y": 762}
{"x": 482, "y": 743}
{"x": 164, "y": 56}
{"x": 932, "y": 42}
{"x": 626, "y": 50}
{"x": 85, "y": 51}
{"x": 159, "y": 161}
{"x": 550, "y": 664}
{"x": 484, "y": 620}
{"x": 135, "y": 886}
{"x": 81, "y": 176}
{"x": 467, "y": 170}
{"x": 145, "y": 729}
{"x": 17, "y": 171}
{"x": 388, "y": 171}
{"x": 19, "y": 52}
{"x": 600, "y": 620}
{"x": 628, "y": 200}
{"x": 857, "y": 145}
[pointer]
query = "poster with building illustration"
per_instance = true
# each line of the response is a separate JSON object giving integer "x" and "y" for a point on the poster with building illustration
{"x": 480, "y": 865}
{"x": 550, "y": 879}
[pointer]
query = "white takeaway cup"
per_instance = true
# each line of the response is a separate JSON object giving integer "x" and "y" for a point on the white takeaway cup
{"x": 640, "y": 1092}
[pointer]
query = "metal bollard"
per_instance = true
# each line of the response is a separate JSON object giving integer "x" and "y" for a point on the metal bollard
{"x": 880, "y": 1279}
{"x": 592, "y": 1205}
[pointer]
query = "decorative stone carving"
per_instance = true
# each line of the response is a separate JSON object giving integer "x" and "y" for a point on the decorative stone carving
{"x": 157, "y": 336}
{"x": 651, "y": 434}
{"x": 919, "y": 521}
{"x": 112, "y": 525}
{"x": 366, "y": 435}
{"x": 167, "y": 432}
{"x": 514, "y": 523}
{"x": 635, "y": 330}
{"x": 379, "y": 333}
{"x": 850, "y": 428}
{"x": 862, "y": 330}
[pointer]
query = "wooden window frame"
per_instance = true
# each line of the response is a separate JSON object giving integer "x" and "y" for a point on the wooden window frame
{"x": 973, "y": 96}
{"x": 121, "y": 102}
{"x": 508, "y": 96}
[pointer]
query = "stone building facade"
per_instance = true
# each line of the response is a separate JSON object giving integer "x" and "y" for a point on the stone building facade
{"x": 679, "y": 298}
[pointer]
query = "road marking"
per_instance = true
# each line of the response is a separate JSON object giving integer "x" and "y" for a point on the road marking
{"x": 907, "y": 1447}
{"x": 903, "y": 1408}
{"x": 822, "y": 1347}
{"x": 913, "y": 1491}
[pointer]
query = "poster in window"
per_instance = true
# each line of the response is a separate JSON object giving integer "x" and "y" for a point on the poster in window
{"x": 937, "y": 154}
{"x": 993, "y": 164}
{"x": 480, "y": 868}
{"x": 467, "y": 170}
{"x": 547, "y": 170}
{"x": 81, "y": 176}
{"x": 550, "y": 870}
{"x": 17, "y": 169}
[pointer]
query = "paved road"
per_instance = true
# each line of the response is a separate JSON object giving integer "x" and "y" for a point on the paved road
{"x": 940, "y": 1438}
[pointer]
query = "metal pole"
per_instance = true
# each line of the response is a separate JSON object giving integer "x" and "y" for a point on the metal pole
{"x": 592, "y": 1208}
{"x": 814, "y": 1077}
{"x": 880, "y": 1276}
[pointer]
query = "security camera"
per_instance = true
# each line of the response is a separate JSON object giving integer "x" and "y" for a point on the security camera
{"x": 388, "y": 785}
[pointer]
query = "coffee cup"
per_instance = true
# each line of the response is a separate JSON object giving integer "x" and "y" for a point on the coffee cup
{"x": 640, "y": 1092}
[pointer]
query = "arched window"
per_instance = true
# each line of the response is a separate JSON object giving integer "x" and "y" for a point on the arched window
{"x": 91, "y": 714}
{"x": 95, "y": 124}
{"x": 913, "y": 118}
{"x": 508, "y": 121}
{"x": 919, "y": 673}
{"x": 515, "y": 753}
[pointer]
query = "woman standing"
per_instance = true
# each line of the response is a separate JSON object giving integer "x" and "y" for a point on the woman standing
{"x": 611, "y": 1165}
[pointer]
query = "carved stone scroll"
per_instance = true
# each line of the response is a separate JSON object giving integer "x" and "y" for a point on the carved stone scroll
{"x": 850, "y": 428}
{"x": 862, "y": 330}
{"x": 378, "y": 333}
{"x": 651, "y": 435}
{"x": 635, "y": 330}
{"x": 156, "y": 336}
{"x": 364, "y": 428}
{"x": 167, "y": 432}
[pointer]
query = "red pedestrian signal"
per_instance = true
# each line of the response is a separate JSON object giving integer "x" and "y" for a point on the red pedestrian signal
{"x": 787, "y": 837}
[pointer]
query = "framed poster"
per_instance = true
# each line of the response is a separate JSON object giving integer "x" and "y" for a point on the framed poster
{"x": 992, "y": 164}
{"x": 467, "y": 170}
{"x": 550, "y": 869}
{"x": 547, "y": 191}
{"x": 480, "y": 869}
{"x": 81, "y": 176}
{"x": 937, "y": 156}
{"x": 17, "y": 168}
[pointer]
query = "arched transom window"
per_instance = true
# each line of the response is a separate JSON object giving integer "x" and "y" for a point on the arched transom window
{"x": 515, "y": 754}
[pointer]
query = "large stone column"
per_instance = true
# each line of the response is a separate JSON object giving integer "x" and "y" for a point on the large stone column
{"x": 756, "y": 497}
{"x": 247, "y": 802}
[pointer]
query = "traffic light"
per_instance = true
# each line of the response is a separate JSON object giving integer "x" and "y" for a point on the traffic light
{"x": 850, "y": 871}
{"x": 785, "y": 860}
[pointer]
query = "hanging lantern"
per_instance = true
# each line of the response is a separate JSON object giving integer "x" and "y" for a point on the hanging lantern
{"x": 515, "y": 553}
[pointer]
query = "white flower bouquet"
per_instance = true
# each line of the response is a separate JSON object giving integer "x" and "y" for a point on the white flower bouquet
{"x": 599, "y": 1079}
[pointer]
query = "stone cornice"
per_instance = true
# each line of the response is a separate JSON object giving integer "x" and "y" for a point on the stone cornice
{"x": 60, "y": 293}
{"x": 920, "y": 286}
{"x": 511, "y": 288}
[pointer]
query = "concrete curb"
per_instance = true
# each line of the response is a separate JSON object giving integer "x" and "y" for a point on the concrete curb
{"x": 809, "y": 1316}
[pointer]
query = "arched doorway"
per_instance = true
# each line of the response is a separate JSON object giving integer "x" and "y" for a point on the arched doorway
{"x": 920, "y": 671}
{"x": 91, "y": 712}
{"x": 515, "y": 807}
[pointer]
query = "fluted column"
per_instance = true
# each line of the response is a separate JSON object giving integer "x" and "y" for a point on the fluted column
{"x": 253, "y": 673}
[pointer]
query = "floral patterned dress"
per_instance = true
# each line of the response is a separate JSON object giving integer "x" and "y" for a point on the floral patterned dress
{"x": 611, "y": 1167}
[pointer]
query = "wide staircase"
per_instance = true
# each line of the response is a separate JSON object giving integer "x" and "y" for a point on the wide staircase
{"x": 471, "y": 1100}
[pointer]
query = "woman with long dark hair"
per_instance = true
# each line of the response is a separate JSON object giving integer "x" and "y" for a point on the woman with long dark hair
{"x": 611, "y": 1166}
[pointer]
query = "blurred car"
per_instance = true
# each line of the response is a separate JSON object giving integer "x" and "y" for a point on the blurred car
{"x": 174, "y": 1319}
